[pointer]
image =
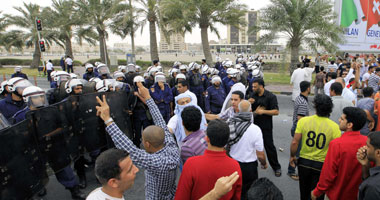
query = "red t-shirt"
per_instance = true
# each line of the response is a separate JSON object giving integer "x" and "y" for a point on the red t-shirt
{"x": 200, "y": 173}
{"x": 341, "y": 173}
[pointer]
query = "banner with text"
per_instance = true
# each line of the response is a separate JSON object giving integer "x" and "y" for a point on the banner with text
{"x": 360, "y": 20}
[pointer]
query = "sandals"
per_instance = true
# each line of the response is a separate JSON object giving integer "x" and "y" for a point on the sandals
{"x": 277, "y": 173}
{"x": 294, "y": 176}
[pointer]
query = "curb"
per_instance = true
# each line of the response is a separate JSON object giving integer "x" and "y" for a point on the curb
{"x": 283, "y": 93}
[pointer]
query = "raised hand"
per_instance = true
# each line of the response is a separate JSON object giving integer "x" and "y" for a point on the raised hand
{"x": 103, "y": 110}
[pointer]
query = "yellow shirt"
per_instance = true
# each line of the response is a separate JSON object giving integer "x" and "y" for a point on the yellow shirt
{"x": 317, "y": 133}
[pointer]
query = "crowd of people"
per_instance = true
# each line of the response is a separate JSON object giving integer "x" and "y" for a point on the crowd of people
{"x": 214, "y": 125}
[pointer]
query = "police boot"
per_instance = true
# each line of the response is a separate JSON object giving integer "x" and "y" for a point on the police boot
{"x": 76, "y": 193}
{"x": 82, "y": 181}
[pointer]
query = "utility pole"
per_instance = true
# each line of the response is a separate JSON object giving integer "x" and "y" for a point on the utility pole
{"x": 41, "y": 42}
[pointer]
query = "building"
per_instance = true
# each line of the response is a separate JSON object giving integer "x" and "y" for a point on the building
{"x": 239, "y": 35}
{"x": 125, "y": 47}
{"x": 176, "y": 44}
{"x": 245, "y": 48}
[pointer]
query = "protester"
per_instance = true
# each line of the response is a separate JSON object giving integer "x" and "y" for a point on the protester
{"x": 264, "y": 107}
{"x": 161, "y": 156}
{"x": 338, "y": 101}
{"x": 319, "y": 81}
{"x": 370, "y": 188}
{"x": 333, "y": 180}
{"x": 116, "y": 172}
{"x": 194, "y": 143}
{"x": 298, "y": 76}
{"x": 201, "y": 172}
{"x": 246, "y": 145}
{"x": 301, "y": 109}
{"x": 314, "y": 133}
{"x": 367, "y": 104}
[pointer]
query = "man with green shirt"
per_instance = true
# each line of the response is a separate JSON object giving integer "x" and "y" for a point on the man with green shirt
{"x": 315, "y": 133}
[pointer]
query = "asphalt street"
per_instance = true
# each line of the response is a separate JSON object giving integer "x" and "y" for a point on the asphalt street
{"x": 282, "y": 139}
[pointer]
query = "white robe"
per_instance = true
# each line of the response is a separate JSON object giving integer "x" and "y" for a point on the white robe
{"x": 298, "y": 76}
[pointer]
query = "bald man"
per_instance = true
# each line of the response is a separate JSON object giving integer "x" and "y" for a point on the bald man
{"x": 347, "y": 93}
{"x": 161, "y": 156}
{"x": 246, "y": 145}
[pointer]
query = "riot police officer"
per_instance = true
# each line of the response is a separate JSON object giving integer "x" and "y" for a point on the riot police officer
{"x": 35, "y": 98}
{"x": 215, "y": 96}
{"x": 4, "y": 89}
{"x": 90, "y": 73}
{"x": 141, "y": 115}
{"x": 13, "y": 102}
{"x": 104, "y": 72}
{"x": 18, "y": 73}
{"x": 130, "y": 73}
{"x": 151, "y": 74}
{"x": 162, "y": 95}
{"x": 172, "y": 76}
{"x": 195, "y": 81}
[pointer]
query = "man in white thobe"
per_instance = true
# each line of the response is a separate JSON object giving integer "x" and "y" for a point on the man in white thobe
{"x": 298, "y": 76}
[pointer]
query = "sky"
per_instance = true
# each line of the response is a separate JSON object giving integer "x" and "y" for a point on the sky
{"x": 140, "y": 39}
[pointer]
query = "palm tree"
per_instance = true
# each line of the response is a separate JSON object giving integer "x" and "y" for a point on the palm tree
{"x": 151, "y": 13}
{"x": 29, "y": 34}
{"x": 62, "y": 21}
{"x": 127, "y": 23}
{"x": 184, "y": 15}
{"x": 310, "y": 22}
{"x": 98, "y": 15}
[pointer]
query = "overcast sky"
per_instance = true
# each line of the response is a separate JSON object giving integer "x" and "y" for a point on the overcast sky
{"x": 141, "y": 39}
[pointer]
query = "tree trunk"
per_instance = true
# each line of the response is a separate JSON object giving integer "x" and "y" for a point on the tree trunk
{"x": 294, "y": 52}
{"x": 132, "y": 28}
{"x": 103, "y": 47}
{"x": 68, "y": 48}
{"x": 206, "y": 46}
{"x": 36, "y": 55}
{"x": 153, "y": 41}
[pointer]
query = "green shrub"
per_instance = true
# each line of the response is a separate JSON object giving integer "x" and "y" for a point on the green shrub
{"x": 27, "y": 62}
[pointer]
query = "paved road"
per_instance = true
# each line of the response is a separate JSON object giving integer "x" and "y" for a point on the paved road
{"x": 282, "y": 125}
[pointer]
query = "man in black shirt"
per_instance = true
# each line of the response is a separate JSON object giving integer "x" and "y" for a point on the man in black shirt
{"x": 370, "y": 187}
{"x": 264, "y": 106}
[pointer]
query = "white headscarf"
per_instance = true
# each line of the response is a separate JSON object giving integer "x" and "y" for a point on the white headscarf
{"x": 236, "y": 87}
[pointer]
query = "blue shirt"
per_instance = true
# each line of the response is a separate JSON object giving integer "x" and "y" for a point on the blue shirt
{"x": 19, "y": 116}
{"x": 8, "y": 107}
{"x": 214, "y": 99}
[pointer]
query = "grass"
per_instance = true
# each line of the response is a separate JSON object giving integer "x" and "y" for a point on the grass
{"x": 277, "y": 78}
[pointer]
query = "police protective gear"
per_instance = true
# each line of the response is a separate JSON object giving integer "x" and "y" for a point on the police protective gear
{"x": 34, "y": 97}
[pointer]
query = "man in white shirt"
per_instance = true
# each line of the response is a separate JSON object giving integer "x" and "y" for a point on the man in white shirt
{"x": 332, "y": 67}
{"x": 69, "y": 64}
{"x": 347, "y": 93}
{"x": 366, "y": 76}
{"x": 116, "y": 172}
{"x": 339, "y": 102}
{"x": 298, "y": 76}
{"x": 331, "y": 79}
{"x": 246, "y": 145}
{"x": 49, "y": 69}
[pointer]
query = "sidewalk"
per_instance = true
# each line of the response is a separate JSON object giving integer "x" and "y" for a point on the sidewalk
{"x": 280, "y": 89}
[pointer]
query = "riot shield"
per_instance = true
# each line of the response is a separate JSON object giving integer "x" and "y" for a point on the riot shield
{"x": 3, "y": 122}
{"x": 50, "y": 133}
{"x": 90, "y": 127}
{"x": 22, "y": 169}
{"x": 68, "y": 109}
{"x": 89, "y": 87}
{"x": 118, "y": 103}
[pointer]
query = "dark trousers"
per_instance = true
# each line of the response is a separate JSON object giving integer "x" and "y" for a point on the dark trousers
{"x": 270, "y": 149}
{"x": 291, "y": 169}
{"x": 70, "y": 68}
{"x": 138, "y": 125}
{"x": 48, "y": 75}
{"x": 67, "y": 177}
{"x": 250, "y": 174}
{"x": 309, "y": 172}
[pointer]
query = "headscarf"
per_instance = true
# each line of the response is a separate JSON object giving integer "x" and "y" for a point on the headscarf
{"x": 180, "y": 131}
{"x": 236, "y": 87}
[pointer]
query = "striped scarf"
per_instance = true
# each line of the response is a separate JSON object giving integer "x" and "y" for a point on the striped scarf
{"x": 238, "y": 124}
